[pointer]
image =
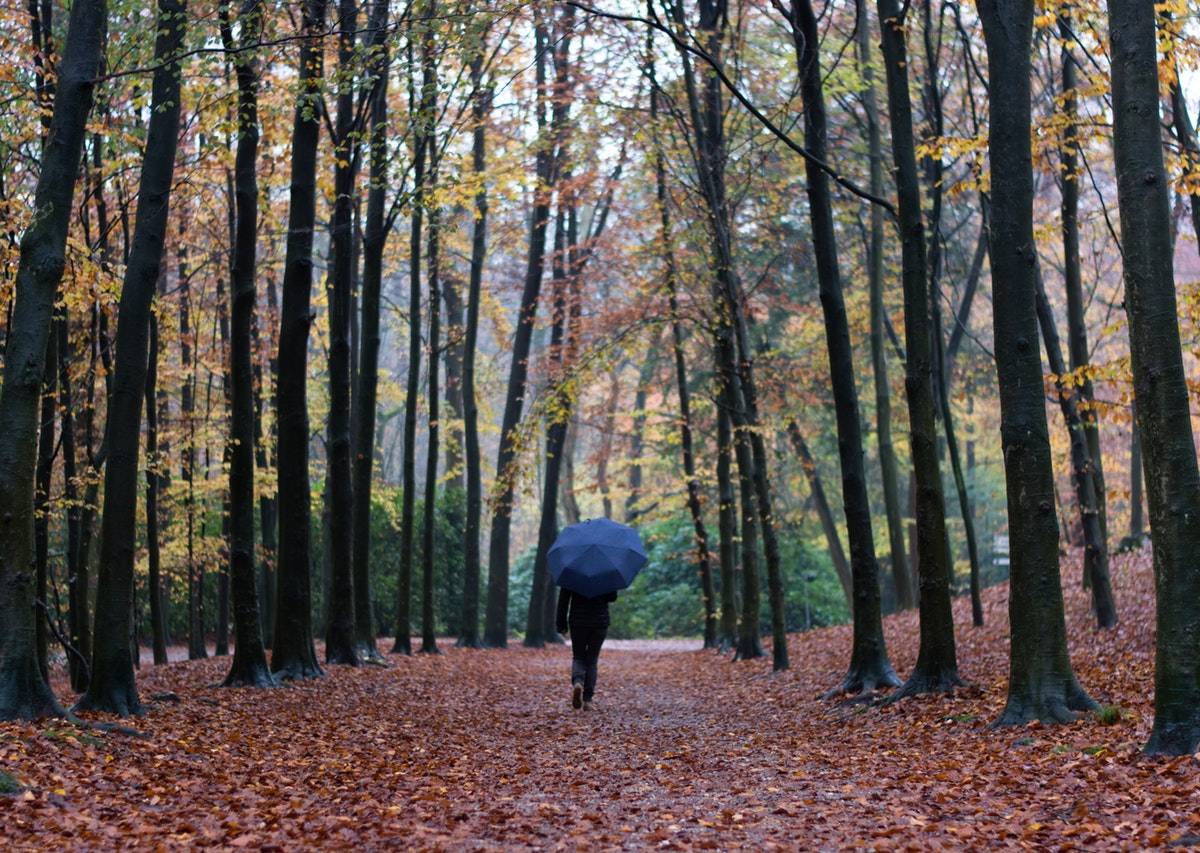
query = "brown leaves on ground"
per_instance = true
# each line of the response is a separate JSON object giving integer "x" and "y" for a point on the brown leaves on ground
{"x": 480, "y": 749}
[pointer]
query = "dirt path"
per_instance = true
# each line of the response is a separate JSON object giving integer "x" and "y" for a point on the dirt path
{"x": 479, "y": 750}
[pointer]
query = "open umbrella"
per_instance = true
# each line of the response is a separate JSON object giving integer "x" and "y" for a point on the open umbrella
{"x": 596, "y": 557}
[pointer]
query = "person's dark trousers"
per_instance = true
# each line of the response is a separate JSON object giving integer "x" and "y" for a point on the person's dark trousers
{"x": 585, "y": 655}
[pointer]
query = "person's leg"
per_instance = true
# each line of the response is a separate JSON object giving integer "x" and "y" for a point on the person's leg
{"x": 578, "y": 665}
{"x": 595, "y": 641}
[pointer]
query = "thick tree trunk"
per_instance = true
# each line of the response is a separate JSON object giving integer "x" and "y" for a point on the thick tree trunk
{"x": 24, "y": 693}
{"x": 937, "y": 664}
{"x": 869, "y": 668}
{"x": 340, "y": 646}
{"x": 452, "y": 300}
{"x": 1159, "y": 380}
{"x": 1095, "y": 555}
{"x": 875, "y": 262}
{"x": 249, "y": 666}
{"x": 374, "y": 240}
{"x": 293, "y": 655}
{"x": 481, "y": 98}
{"x": 112, "y": 687}
{"x": 1041, "y": 684}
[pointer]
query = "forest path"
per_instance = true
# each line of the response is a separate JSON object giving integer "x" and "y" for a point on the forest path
{"x": 480, "y": 750}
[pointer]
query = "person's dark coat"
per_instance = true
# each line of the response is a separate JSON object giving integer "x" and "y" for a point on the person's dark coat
{"x": 579, "y": 611}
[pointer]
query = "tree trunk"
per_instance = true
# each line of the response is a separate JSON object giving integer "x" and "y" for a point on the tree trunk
{"x": 1159, "y": 380}
{"x": 293, "y": 655}
{"x": 481, "y": 99}
{"x": 452, "y": 299}
{"x": 340, "y": 645}
{"x": 727, "y": 531}
{"x": 496, "y": 618}
{"x": 1095, "y": 555}
{"x": 112, "y": 687}
{"x": 833, "y": 539}
{"x": 1137, "y": 529}
{"x": 158, "y": 627}
{"x": 686, "y": 442}
{"x": 249, "y": 666}
{"x": 559, "y": 409}
{"x": 1077, "y": 341}
{"x": 937, "y": 664}
{"x": 429, "y": 109}
{"x": 875, "y": 263}
{"x": 44, "y": 472}
{"x": 1041, "y": 684}
{"x": 869, "y": 668}
{"x": 374, "y": 240}
{"x": 735, "y": 393}
{"x": 24, "y": 693}
{"x": 403, "y": 643}
{"x": 637, "y": 441}
{"x": 934, "y": 175}
{"x": 77, "y": 663}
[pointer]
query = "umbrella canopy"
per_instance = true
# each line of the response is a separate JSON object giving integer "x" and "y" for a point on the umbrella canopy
{"x": 596, "y": 557}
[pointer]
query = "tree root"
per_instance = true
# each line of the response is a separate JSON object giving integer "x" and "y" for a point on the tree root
{"x": 923, "y": 683}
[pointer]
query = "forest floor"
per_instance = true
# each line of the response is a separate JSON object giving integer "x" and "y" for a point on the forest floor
{"x": 480, "y": 749}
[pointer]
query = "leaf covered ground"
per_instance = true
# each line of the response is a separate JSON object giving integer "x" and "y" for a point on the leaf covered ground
{"x": 474, "y": 749}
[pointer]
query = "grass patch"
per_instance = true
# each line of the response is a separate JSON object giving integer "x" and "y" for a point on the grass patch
{"x": 1108, "y": 715}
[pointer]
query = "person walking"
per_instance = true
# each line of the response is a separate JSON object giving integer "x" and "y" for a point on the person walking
{"x": 587, "y": 620}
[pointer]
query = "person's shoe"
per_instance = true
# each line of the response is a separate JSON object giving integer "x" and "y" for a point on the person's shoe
{"x": 576, "y": 696}
{"x": 588, "y": 706}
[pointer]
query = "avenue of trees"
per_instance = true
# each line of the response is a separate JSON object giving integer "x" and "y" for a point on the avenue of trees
{"x": 321, "y": 319}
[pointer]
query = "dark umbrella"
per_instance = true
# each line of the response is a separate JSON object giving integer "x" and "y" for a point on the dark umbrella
{"x": 596, "y": 557}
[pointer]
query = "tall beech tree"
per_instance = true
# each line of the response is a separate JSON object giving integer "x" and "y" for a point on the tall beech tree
{"x": 937, "y": 661}
{"x": 154, "y": 479}
{"x": 111, "y": 687}
{"x": 374, "y": 241}
{"x": 24, "y": 693}
{"x": 1077, "y": 338}
{"x": 293, "y": 655}
{"x": 496, "y": 617}
{"x": 1041, "y": 684}
{"x": 731, "y": 361}
{"x": 879, "y": 363}
{"x": 422, "y": 122}
{"x": 249, "y": 667}
{"x": 1159, "y": 380}
{"x": 686, "y": 441}
{"x": 869, "y": 668}
{"x": 429, "y": 87}
{"x": 340, "y": 646}
{"x": 481, "y": 100}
